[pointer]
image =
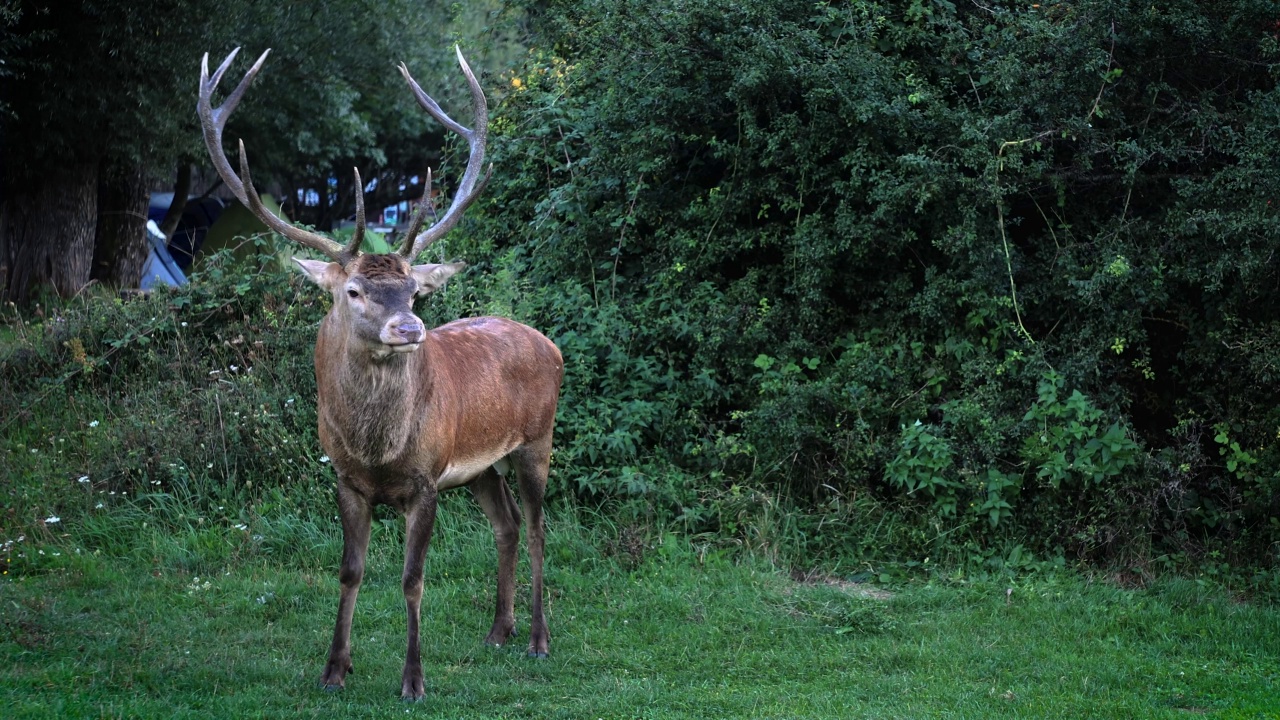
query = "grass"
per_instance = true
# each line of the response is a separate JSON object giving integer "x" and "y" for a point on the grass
{"x": 147, "y": 611}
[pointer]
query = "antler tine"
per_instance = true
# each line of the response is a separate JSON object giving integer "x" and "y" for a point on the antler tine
{"x": 312, "y": 240}
{"x": 226, "y": 63}
{"x": 357, "y": 236}
{"x": 417, "y": 218}
{"x": 213, "y": 121}
{"x": 468, "y": 189}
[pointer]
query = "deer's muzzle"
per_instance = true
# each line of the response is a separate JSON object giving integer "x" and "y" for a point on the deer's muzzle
{"x": 403, "y": 333}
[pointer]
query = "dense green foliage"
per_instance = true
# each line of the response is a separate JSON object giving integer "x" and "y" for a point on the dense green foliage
{"x": 977, "y": 282}
{"x": 125, "y": 79}
{"x": 1003, "y": 268}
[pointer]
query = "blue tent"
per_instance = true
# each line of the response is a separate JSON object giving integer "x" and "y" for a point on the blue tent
{"x": 198, "y": 216}
{"x": 159, "y": 267}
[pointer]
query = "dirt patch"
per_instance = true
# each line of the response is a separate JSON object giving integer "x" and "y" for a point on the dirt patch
{"x": 27, "y": 634}
{"x": 815, "y": 578}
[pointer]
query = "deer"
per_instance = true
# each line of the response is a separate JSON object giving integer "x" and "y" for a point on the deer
{"x": 405, "y": 412}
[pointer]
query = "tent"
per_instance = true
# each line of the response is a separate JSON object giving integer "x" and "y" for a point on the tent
{"x": 236, "y": 228}
{"x": 159, "y": 267}
{"x": 197, "y": 216}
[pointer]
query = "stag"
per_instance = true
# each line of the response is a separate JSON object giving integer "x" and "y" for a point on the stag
{"x": 405, "y": 412}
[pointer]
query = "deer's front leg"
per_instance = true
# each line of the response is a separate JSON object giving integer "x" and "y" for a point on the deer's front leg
{"x": 355, "y": 513}
{"x": 420, "y": 518}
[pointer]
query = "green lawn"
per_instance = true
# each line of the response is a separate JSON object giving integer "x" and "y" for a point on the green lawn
{"x": 201, "y": 621}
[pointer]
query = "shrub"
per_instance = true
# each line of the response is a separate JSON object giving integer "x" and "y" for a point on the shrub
{"x": 799, "y": 229}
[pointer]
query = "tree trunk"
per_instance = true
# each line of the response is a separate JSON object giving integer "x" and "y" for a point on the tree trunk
{"x": 323, "y": 222}
{"x": 342, "y": 199}
{"x": 181, "y": 189}
{"x": 120, "y": 247}
{"x": 48, "y": 229}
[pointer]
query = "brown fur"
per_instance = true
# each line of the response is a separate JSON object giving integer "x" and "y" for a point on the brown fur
{"x": 379, "y": 267}
{"x": 400, "y": 428}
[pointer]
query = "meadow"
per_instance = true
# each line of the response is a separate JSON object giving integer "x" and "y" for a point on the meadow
{"x": 147, "y": 609}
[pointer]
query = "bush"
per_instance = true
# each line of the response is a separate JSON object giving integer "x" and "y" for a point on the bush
{"x": 197, "y": 392}
{"x": 989, "y": 281}
{"x": 1010, "y": 258}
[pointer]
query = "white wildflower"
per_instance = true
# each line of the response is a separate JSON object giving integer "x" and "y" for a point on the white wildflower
{"x": 83, "y": 479}
{"x": 93, "y": 424}
{"x": 52, "y": 519}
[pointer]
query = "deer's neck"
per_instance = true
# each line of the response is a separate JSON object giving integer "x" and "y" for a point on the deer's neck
{"x": 376, "y": 407}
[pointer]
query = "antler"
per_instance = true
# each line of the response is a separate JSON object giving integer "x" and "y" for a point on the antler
{"x": 468, "y": 189}
{"x": 357, "y": 236}
{"x": 214, "y": 120}
{"x": 419, "y": 216}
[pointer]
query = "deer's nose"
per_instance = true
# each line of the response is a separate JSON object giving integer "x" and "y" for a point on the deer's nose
{"x": 410, "y": 332}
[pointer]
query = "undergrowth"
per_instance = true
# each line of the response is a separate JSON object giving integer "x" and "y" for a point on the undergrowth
{"x": 191, "y": 411}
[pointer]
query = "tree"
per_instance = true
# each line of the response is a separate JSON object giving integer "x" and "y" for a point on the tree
{"x": 102, "y": 99}
{"x": 93, "y": 107}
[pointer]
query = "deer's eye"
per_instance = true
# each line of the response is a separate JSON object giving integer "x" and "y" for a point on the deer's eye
{"x": 353, "y": 293}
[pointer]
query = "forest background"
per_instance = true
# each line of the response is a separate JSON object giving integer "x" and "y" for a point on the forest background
{"x": 881, "y": 285}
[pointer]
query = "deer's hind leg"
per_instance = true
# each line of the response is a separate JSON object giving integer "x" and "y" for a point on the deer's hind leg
{"x": 493, "y": 495}
{"x": 532, "y": 463}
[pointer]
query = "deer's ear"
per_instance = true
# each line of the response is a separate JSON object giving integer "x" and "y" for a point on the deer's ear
{"x": 323, "y": 273}
{"x": 433, "y": 277}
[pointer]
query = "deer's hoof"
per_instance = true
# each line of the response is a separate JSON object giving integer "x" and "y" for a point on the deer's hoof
{"x": 331, "y": 688}
{"x": 411, "y": 688}
{"x": 500, "y": 634}
{"x": 538, "y": 655}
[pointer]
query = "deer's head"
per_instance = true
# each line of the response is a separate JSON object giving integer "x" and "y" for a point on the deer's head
{"x": 372, "y": 294}
{"x": 373, "y": 298}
